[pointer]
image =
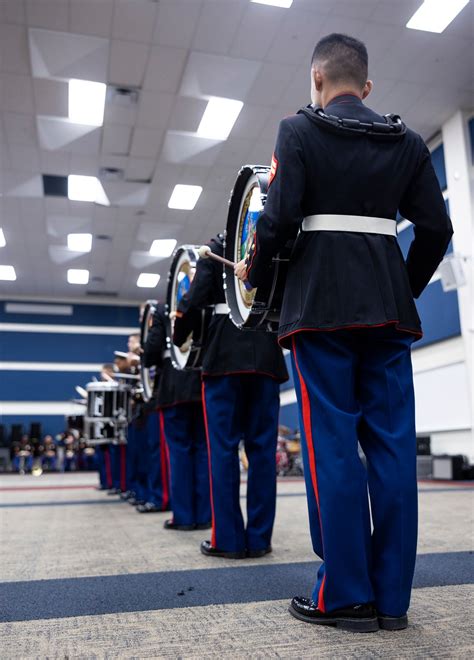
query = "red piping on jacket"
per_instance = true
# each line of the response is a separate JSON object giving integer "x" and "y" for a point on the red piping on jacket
{"x": 306, "y": 410}
{"x": 213, "y": 534}
{"x": 419, "y": 334}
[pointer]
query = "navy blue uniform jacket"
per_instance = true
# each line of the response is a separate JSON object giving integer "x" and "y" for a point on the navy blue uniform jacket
{"x": 172, "y": 386}
{"x": 228, "y": 350}
{"x": 345, "y": 279}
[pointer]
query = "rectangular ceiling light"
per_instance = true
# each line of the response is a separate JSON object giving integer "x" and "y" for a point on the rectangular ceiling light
{"x": 2, "y": 238}
{"x": 7, "y": 273}
{"x": 77, "y": 276}
{"x": 79, "y": 242}
{"x": 162, "y": 248}
{"x": 86, "y": 189}
{"x": 148, "y": 280}
{"x": 275, "y": 3}
{"x": 184, "y": 197}
{"x": 436, "y": 15}
{"x": 86, "y": 102}
{"x": 219, "y": 117}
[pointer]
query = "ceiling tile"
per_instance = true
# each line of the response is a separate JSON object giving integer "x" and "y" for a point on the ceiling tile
{"x": 297, "y": 37}
{"x": 146, "y": 143}
{"x": 217, "y": 25}
{"x": 51, "y": 97}
{"x": 83, "y": 164}
{"x": 127, "y": 63}
{"x": 14, "y": 49}
{"x": 49, "y": 14}
{"x": 154, "y": 109}
{"x": 176, "y": 22}
{"x": 13, "y": 11}
{"x": 181, "y": 147}
{"x": 139, "y": 169}
{"x": 270, "y": 83}
{"x": 165, "y": 69}
{"x": 116, "y": 139}
{"x": 187, "y": 114}
{"x": 57, "y": 133}
{"x": 251, "y": 41}
{"x": 19, "y": 128}
{"x": 91, "y": 17}
{"x": 134, "y": 21}
{"x": 25, "y": 158}
{"x": 17, "y": 93}
{"x": 55, "y": 162}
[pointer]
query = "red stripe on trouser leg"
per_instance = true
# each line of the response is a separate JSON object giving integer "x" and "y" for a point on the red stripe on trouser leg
{"x": 306, "y": 410}
{"x": 108, "y": 467}
{"x": 123, "y": 468}
{"x": 164, "y": 462}
{"x": 213, "y": 534}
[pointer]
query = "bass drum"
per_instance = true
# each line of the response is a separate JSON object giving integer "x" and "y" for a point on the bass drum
{"x": 183, "y": 267}
{"x": 147, "y": 374}
{"x": 257, "y": 308}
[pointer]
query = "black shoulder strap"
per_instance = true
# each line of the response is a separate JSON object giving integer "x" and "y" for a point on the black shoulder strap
{"x": 392, "y": 128}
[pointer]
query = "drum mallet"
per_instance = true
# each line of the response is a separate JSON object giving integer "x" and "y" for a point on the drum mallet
{"x": 205, "y": 252}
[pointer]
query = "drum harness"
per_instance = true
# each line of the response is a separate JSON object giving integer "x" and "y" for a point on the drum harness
{"x": 392, "y": 129}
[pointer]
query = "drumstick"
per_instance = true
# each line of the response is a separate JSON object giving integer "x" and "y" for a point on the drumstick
{"x": 205, "y": 252}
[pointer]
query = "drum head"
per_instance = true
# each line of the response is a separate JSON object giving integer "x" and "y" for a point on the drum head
{"x": 180, "y": 277}
{"x": 246, "y": 206}
{"x": 147, "y": 374}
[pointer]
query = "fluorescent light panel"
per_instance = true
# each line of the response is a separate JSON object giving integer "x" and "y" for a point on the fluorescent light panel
{"x": 162, "y": 247}
{"x": 148, "y": 280}
{"x": 2, "y": 238}
{"x": 86, "y": 189}
{"x": 436, "y": 15}
{"x": 7, "y": 273}
{"x": 77, "y": 276}
{"x": 79, "y": 242}
{"x": 184, "y": 197}
{"x": 86, "y": 102}
{"x": 275, "y": 3}
{"x": 219, "y": 118}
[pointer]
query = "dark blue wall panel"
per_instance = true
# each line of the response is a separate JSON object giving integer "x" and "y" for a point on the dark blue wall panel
{"x": 55, "y": 347}
{"x": 82, "y": 315}
{"x": 289, "y": 416}
{"x": 471, "y": 135}
{"x": 42, "y": 385}
{"x": 437, "y": 158}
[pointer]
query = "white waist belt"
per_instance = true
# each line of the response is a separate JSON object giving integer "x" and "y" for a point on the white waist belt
{"x": 167, "y": 354}
{"x": 221, "y": 308}
{"x": 357, "y": 223}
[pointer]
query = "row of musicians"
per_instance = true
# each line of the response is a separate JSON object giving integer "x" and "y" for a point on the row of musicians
{"x": 196, "y": 422}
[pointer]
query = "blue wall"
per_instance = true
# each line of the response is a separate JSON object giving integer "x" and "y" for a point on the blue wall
{"x": 53, "y": 347}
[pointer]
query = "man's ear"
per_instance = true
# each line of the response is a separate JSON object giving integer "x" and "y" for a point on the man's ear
{"x": 368, "y": 87}
{"x": 318, "y": 79}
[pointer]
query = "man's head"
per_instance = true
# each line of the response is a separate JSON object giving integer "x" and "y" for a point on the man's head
{"x": 339, "y": 64}
{"x": 134, "y": 343}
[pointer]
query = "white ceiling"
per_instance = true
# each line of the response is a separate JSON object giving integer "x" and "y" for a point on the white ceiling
{"x": 177, "y": 53}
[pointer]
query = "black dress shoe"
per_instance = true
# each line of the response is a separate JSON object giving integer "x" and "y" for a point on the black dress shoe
{"x": 148, "y": 507}
{"x": 126, "y": 495}
{"x": 114, "y": 491}
{"x": 254, "y": 554}
{"x": 170, "y": 524}
{"x": 356, "y": 618}
{"x": 135, "y": 502}
{"x": 209, "y": 551}
{"x": 393, "y": 622}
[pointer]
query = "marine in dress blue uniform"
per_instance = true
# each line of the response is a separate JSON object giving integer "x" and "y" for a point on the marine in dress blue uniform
{"x": 241, "y": 377}
{"x": 349, "y": 319}
{"x": 181, "y": 419}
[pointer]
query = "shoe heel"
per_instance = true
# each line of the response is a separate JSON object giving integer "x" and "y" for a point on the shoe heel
{"x": 358, "y": 625}
{"x": 393, "y": 622}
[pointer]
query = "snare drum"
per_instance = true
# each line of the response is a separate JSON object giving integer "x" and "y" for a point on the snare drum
{"x": 147, "y": 374}
{"x": 258, "y": 308}
{"x": 180, "y": 277}
{"x": 108, "y": 412}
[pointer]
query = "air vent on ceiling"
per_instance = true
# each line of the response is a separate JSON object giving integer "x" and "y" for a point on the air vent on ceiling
{"x": 105, "y": 294}
{"x": 103, "y": 237}
{"x": 96, "y": 278}
{"x": 124, "y": 96}
{"x": 111, "y": 174}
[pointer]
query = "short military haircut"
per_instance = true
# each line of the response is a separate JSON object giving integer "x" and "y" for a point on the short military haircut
{"x": 343, "y": 58}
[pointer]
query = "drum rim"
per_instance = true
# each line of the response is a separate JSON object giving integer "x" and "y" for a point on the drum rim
{"x": 106, "y": 386}
{"x": 145, "y": 378}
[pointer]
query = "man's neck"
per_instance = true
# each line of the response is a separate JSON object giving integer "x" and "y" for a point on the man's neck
{"x": 335, "y": 93}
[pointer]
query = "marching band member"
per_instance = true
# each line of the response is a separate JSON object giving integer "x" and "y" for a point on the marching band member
{"x": 349, "y": 318}
{"x": 241, "y": 376}
{"x": 178, "y": 398}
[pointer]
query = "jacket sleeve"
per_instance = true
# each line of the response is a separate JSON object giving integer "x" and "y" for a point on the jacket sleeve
{"x": 155, "y": 344}
{"x": 424, "y": 206}
{"x": 282, "y": 214}
{"x": 199, "y": 295}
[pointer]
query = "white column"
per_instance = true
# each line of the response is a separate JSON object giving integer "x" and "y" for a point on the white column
{"x": 460, "y": 178}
